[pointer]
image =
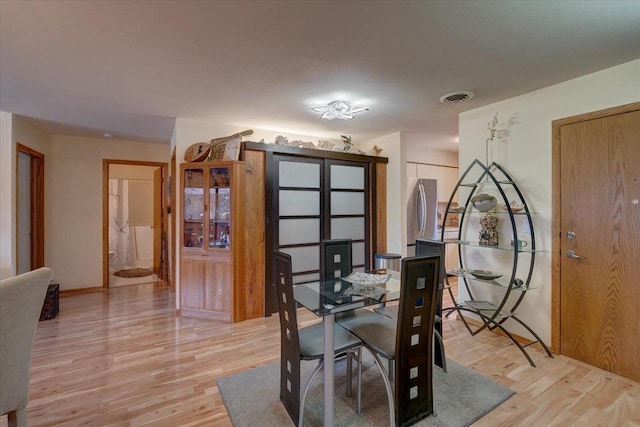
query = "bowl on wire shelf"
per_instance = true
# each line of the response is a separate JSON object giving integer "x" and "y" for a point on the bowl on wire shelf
{"x": 484, "y": 202}
{"x": 485, "y": 274}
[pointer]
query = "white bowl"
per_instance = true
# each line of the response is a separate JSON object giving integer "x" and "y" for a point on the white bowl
{"x": 484, "y": 202}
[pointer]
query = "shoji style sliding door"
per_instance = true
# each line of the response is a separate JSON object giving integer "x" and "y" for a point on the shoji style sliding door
{"x": 316, "y": 199}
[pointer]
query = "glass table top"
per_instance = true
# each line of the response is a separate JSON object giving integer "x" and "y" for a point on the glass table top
{"x": 348, "y": 293}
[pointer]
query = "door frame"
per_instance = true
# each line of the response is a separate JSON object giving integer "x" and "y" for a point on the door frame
{"x": 105, "y": 207}
{"x": 556, "y": 198}
{"x": 171, "y": 209}
{"x": 36, "y": 220}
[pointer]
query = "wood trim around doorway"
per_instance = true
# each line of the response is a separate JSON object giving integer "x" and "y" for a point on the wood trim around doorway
{"x": 105, "y": 207}
{"x": 556, "y": 198}
{"x": 37, "y": 206}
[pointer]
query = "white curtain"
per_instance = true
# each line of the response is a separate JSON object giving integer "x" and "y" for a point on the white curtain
{"x": 119, "y": 223}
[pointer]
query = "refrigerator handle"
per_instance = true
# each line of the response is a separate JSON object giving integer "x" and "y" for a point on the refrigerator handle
{"x": 422, "y": 210}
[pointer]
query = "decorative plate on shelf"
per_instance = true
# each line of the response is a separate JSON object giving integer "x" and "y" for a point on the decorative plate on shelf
{"x": 485, "y": 274}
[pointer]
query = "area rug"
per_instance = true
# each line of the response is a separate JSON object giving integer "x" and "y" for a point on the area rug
{"x": 133, "y": 272}
{"x": 461, "y": 397}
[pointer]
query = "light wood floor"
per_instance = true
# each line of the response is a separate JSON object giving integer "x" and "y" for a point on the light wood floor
{"x": 121, "y": 357}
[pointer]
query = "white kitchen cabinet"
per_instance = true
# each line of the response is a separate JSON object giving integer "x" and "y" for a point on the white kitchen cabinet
{"x": 451, "y": 251}
{"x": 412, "y": 172}
{"x": 427, "y": 171}
{"x": 447, "y": 179}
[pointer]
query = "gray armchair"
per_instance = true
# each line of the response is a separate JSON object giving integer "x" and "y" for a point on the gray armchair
{"x": 21, "y": 300}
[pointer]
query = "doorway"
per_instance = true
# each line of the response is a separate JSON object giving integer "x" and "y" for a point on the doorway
{"x": 30, "y": 209}
{"x": 134, "y": 222}
{"x": 596, "y": 239}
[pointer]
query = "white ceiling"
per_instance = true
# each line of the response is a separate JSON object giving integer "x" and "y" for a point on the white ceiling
{"x": 131, "y": 67}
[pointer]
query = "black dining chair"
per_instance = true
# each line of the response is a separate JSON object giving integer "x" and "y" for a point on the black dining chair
{"x": 335, "y": 262}
{"x": 336, "y": 258}
{"x": 403, "y": 341}
{"x": 436, "y": 248}
{"x": 305, "y": 344}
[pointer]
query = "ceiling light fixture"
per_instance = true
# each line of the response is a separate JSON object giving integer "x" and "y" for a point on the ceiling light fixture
{"x": 456, "y": 97}
{"x": 339, "y": 110}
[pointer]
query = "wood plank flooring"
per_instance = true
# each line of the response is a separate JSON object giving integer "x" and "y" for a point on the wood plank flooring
{"x": 122, "y": 358}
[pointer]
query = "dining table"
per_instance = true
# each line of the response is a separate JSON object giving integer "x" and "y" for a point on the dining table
{"x": 327, "y": 298}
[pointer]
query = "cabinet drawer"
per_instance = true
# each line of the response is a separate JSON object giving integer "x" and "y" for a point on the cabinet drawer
{"x": 211, "y": 255}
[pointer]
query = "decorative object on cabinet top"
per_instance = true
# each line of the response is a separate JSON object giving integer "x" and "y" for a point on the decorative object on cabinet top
{"x": 322, "y": 144}
{"x": 348, "y": 145}
{"x": 375, "y": 150}
{"x": 202, "y": 151}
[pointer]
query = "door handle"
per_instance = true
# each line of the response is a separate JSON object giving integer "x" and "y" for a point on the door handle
{"x": 574, "y": 255}
{"x": 420, "y": 209}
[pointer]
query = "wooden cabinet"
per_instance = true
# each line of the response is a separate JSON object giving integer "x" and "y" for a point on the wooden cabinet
{"x": 212, "y": 244}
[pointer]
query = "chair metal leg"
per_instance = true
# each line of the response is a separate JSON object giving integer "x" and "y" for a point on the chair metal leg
{"x": 319, "y": 367}
{"x": 359, "y": 376}
{"x": 350, "y": 357}
{"x": 357, "y": 356}
{"x": 387, "y": 385}
{"x": 304, "y": 393}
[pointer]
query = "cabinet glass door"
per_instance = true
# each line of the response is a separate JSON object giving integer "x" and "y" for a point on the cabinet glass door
{"x": 220, "y": 207}
{"x": 193, "y": 226}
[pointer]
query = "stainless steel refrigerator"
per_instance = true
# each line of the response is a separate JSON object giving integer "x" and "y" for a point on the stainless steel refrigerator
{"x": 422, "y": 212}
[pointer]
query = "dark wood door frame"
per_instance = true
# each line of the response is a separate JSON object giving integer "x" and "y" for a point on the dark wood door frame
{"x": 36, "y": 172}
{"x": 105, "y": 207}
{"x": 172, "y": 200}
{"x": 556, "y": 198}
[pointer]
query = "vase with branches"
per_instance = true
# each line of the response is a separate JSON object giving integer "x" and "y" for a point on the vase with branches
{"x": 488, "y": 146}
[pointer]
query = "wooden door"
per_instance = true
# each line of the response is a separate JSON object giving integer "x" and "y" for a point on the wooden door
{"x": 30, "y": 218}
{"x": 158, "y": 219}
{"x": 173, "y": 231}
{"x": 600, "y": 221}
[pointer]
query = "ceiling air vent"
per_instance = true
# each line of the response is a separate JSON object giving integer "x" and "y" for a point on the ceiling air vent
{"x": 456, "y": 97}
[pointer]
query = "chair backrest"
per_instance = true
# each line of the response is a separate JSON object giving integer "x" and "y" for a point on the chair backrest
{"x": 416, "y": 314}
{"x": 433, "y": 247}
{"x": 21, "y": 301}
{"x": 335, "y": 258}
{"x": 289, "y": 339}
{"x": 436, "y": 248}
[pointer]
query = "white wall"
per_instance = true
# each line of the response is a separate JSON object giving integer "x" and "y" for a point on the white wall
{"x": 524, "y": 149}
{"x": 422, "y": 152}
{"x": 73, "y": 203}
{"x": 141, "y": 207}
